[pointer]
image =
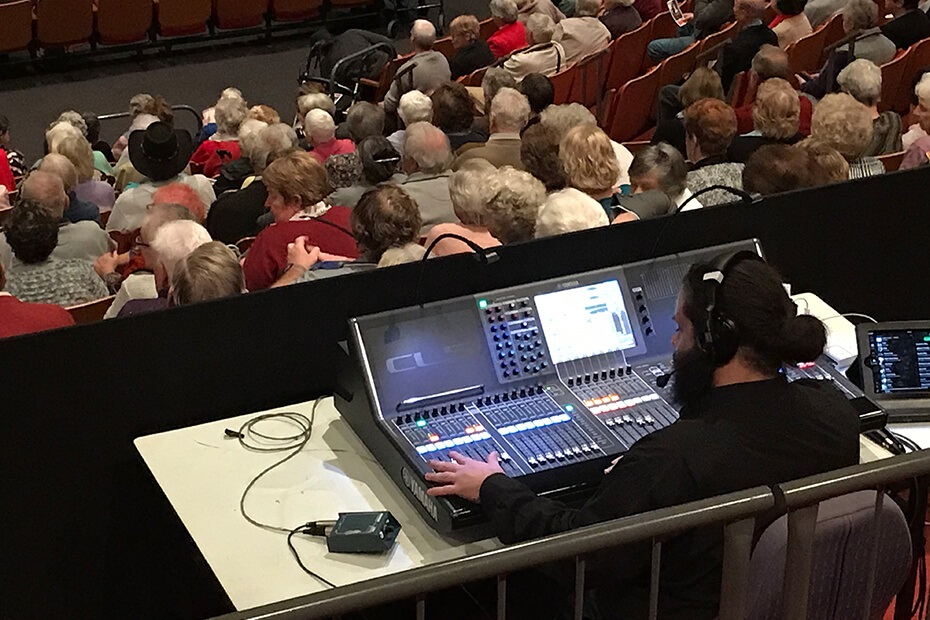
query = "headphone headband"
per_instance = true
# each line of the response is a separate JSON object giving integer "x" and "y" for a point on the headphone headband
{"x": 720, "y": 336}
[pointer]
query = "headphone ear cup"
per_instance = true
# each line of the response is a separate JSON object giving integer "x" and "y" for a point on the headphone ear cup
{"x": 726, "y": 339}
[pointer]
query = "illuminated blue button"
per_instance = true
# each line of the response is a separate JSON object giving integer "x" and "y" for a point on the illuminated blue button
{"x": 421, "y": 422}
{"x": 569, "y": 408}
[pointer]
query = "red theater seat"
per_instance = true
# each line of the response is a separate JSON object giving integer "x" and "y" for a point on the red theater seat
{"x": 123, "y": 21}
{"x": 233, "y": 14}
{"x": 15, "y": 25}
{"x": 177, "y": 18}
{"x": 295, "y": 10}
{"x": 630, "y": 108}
{"x": 60, "y": 23}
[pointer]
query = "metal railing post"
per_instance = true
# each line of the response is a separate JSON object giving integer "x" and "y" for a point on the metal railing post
{"x": 801, "y": 524}
{"x": 873, "y": 553}
{"x": 579, "y": 587}
{"x": 654, "y": 579}
{"x": 501, "y": 597}
{"x": 737, "y": 550}
{"x": 421, "y": 607}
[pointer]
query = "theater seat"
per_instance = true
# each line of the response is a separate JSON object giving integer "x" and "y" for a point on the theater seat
{"x": 345, "y": 4}
{"x": 630, "y": 108}
{"x": 15, "y": 25}
{"x": 60, "y": 23}
{"x": 124, "y": 21}
{"x": 235, "y": 14}
{"x": 92, "y": 311}
{"x": 177, "y": 18}
{"x": 295, "y": 10}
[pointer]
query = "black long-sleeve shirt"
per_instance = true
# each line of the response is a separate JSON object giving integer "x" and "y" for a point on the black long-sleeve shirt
{"x": 738, "y": 437}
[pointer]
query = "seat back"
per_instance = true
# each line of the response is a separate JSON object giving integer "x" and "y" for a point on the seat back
{"x": 662, "y": 26}
{"x": 15, "y": 25}
{"x": 295, "y": 10}
{"x": 919, "y": 59}
{"x": 234, "y": 14}
{"x": 562, "y": 85}
{"x": 123, "y": 240}
{"x": 626, "y": 56}
{"x": 833, "y": 30}
{"x": 804, "y": 54}
{"x": 444, "y": 46}
{"x": 124, "y": 21}
{"x": 892, "y": 76}
{"x": 588, "y": 84}
{"x": 486, "y": 28}
{"x": 840, "y": 567}
{"x": 64, "y": 22}
{"x": 177, "y": 18}
{"x": 474, "y": 78}
{"x": 673, "y": 68}
{"x": 630, "y": 108}
{"x": 713, "y": 40}
{"x": 387, "y": 75}
{"x": 892, "y": 161}
{"x": 92, "y": 311}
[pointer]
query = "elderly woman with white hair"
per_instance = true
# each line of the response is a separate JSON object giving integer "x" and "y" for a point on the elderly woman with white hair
{"x": 845, "y": 124}
{"x": 569, "y": 210}
{"x": 543, "y": 55}
{"x": 413, "y": 107}
{"x": 223, "y": 146}
{"x": 918, "y": 153}
{"x": 861, "y": 16}
{"x": 620, "y": 17}
{"x": 510, "y": 34}
{"x": 863, "y": 80}
{"x": 320, "y": 129}
{"x": 513, "y": 209}
{"x": 89, "y": 188}
{"x": 471, "y": 192}
{"x": 234, "y": 173}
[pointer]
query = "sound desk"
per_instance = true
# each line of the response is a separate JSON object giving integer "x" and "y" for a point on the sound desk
{"x": 558, "y": 377}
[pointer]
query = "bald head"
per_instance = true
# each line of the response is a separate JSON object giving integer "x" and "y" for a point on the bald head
{"x": 46, "y": 189}
{"x": 771, "y": 62}
{"x": 747, "y": 10}
{"x": 423, "y": 35}
{"x": 60, "y": 166}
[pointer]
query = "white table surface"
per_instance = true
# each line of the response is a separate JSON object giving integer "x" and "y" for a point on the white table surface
{"x": 203, "y": 474}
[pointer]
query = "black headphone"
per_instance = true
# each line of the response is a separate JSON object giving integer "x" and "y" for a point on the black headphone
{"x": 719, "y": 337}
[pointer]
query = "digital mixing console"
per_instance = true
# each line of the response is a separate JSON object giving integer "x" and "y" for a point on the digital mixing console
{"x": 558, "y": 377}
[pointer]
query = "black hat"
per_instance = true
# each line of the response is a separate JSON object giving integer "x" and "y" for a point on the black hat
{"x": 160, "y": 152}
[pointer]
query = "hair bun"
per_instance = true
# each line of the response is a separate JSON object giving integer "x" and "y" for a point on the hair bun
{"x": 802, "y": 339}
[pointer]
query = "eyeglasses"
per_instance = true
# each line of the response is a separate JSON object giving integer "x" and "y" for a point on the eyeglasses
{"x": 139, "y": 243}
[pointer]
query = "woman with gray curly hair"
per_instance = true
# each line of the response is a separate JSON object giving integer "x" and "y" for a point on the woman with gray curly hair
{"x": 470, "y": 192}
{"x": 863, "y": 80}
{"x": 223, "y": 146}
{"x": 845, "y": 124}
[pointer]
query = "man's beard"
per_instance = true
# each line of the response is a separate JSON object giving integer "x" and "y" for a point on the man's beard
{"x": 694, "y": 377}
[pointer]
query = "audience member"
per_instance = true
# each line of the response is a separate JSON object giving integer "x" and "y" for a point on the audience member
{"x": 470, "y": 190}
{"x": 528, "y": 8}
{"x": 18, "y": 317}
{"x": 15, "y": 159}
{"x": 918, "y": 153}
{"x": 776, "y": 116}
{"x": 710, "y": 125}
{"x": 590, "y": 164}
{"x": 582, "y": 34}
{"x": 379, "y": 162}
{"x": 82, "y": 240}
{"x": 708, "y": 17}
{"x": 414, "y": 107}
{"x": 539, "y": 92}
{"x": 510, "y": 34}
{"x": 569, "y": 210}
{"x": 363, "y": 120}
{"x": 819, "y": 11}
{"x": 509, "y": 112}
{"x": 737, "y": 55}
{"x": 777, "y": 168}
{"x": 845, "y": 124}
{"x": 862, "y": 16}
{"x": 139, "y": 105}
{"x": 235, "y": 215}
{"x": 454, "y": 112}
{"x": 305, "y": 103}
{"x": 425, "y": 177}
{"x": 541, "y": 55}
{"x": 662, "y": 167}
{"x": 427, "y": 67}
{"x": 863, "y": 80}
{"x": 471, "y": 51}
{"x": 143, "y": 283}
{"x": 827, "y": 165}
{"x": 917, "y": 107}
{"x": 620, "y": 17}
{"x": 161, "y": 154}
{"x": 78, "y": 210}
{"x": 909, "y": 25}
{"x": 173, "y": 242}
{"x": 791, "y": 22}
{"x": 297, "y": 187}
{"x": 234, "y": 173}
{"x": 703, "y": 83}
{"x": 223, "y": 146}
{"x": 7, "y": 181}
{"x": 539, "y": 154}
{"x": 39, "y": 277}
{"x": 265, "y": 114}
{"x": 320, "y": 130}
{"x": 184, "y": 195}
{"x": 494, "y": 79}
{"x": 102, "y": 151}
{"x": 771, "y": 62}
{"x": 210, "y": 272}
{"x": 512, "y": 211}
{"x": 88, "y": 190}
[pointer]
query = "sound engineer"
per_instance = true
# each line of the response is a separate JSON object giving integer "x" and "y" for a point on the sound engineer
{"x": 742, "y": 425}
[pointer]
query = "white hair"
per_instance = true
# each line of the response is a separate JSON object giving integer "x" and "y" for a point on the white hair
{"x": 232, "y": 93}
{"x": 248, "y": 134}
{"x": 860, "y": 15}
{"x": 505, "y": 10}
{"x": 510, "y": 110}
{"x": 863, "y": 80}
{"x": 470, "y": 190}
{"x": 512, "y": 211}
{"x": 428, "y": 146}
{"x": 922, "y": 90}
{"x": 229, "y": 114}
{"x": 423, "y": 34}
{"x": 319, "y": 126}
{"x": 174, "y": 241}
{"x": 408, "y": 253}
{"x": 586, "y": 8}
{"x": 58, "y": 132}
{"x": 315, "y": 101}
{"x": 541, "y": 27}
{"x": 62, "y": 167}
{"x": 272, "y": 142}
{"x": 415, "y": 107}
{"x": 569, "y": 210}
{"x": 561, "y": 118}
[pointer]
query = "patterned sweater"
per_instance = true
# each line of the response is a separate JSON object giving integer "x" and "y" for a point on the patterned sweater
{"x": 63, "y": 282}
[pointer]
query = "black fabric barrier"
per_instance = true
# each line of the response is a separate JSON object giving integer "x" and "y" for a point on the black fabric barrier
{"x": 84, "y": 536}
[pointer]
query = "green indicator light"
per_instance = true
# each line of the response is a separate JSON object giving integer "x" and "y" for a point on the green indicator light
{"x": 569, "y": 408}
{"x": 482, "y": 303}
{"x": 926, "y": 338}
{"x": 421, "y": 422}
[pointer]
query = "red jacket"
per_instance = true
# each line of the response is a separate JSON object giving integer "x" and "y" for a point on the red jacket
{"x": 267, "y": 258}
{"x": 508, "y": 38}
{"x": 744, "y": 122}
{"x": 207, "y": 161}
{"x": 17, "y": 317}
{"x": 6, "y": 174}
